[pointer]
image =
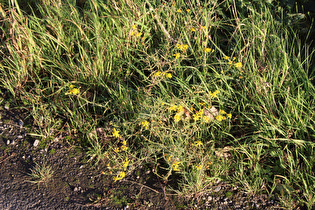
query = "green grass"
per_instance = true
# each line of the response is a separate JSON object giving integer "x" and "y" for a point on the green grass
{"x": 41, "y": 174}
{"x": 84, "y": 73}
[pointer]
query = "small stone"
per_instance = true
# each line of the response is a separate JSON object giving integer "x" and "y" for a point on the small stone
{"x": 19, "y": 136}
{"x": 217, "y": 189}
{"x": 36, "y": 142}
{"x": 21, "y": 123}
{"x": 8, "y": 142}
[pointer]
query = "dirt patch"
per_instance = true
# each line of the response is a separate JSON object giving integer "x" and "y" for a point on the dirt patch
{"x": 75, "y": 182}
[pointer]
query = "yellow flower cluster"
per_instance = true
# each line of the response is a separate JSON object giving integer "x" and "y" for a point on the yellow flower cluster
{"x": 119, "y": 176}
{"x": 72, "y": 90}
{"x": 123, "y": 146}
{"x": 198, "y": 115}
{"x": 205, "y": 114}
{"x": 214, "y": 94}
{"x": 174, "y": 162}
{"x": 232, "y": 62}
{"x": 180, "y": 11}
{"x": 199, "y": 167}
{"x": 182, "y": 113}
{"x": 126, "y": 163}
{"x": 175, "y": 165}
{"x": 207, "y": 50}
{"x": 160, "y": 74}
{"x": 134, "y": 31}
{"x": 182, "y": 47}
{"x": 176, "y": 55}
{"x": 223, "y": 115}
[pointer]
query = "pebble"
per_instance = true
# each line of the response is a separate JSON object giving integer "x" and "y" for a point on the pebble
{"x": 217, "y": 189}
{"x": 36, "y": 142}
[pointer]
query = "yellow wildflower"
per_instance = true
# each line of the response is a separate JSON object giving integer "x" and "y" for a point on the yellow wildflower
{"x": 207, "y": 50}
{"x": 179, "y": 10}
{"x": 169, "y": 158}
{"x": 196, "y": 117}
{"x": 229, "y": 115}
{"x": 180, "y": 108}
{"x": 72, "y": 91}
{"x": 157, "y": 74}
{"x": 177, "y": 118}
{"x": 182, "y": 47}
{"x": 199, "y": 167}
{"x": 222, "y": 111}
{"x": 175, "y": 166}
{"x": 169, "y": 75}
{"x": 206, "y": 119}
{"x": 173, "y": 108}
{"x": 214, "y": 94}
{"x": 187, "y": 10}
{"x": 115, "y": 133}
{"x": 203, "y": 27}
{"x": 220, "y": 118}
{"x": 75, "y": 91}
{"x": 226, "y": 58}
{"x": 177, "y": 55}
{"x": 116, "y": 149}
{"x": 138, "y": 34}
{"x": 198, "y": 143}
{"x": 126, "y": 163}
{"x": 124, "y": 148}
{"x": 119, "y": 176}
{"x": 230, "y": 62}
{"x": 124, "y": 142}
{"x": 145, "y": 124}
{"x": 192, "y": 29}
{"x": 238, "y": 65}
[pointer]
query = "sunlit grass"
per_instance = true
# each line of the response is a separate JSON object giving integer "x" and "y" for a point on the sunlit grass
{"x": 199, "y": 92}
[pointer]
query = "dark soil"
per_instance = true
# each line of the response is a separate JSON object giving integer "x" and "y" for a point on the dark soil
{"x": 78, "y": 184}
